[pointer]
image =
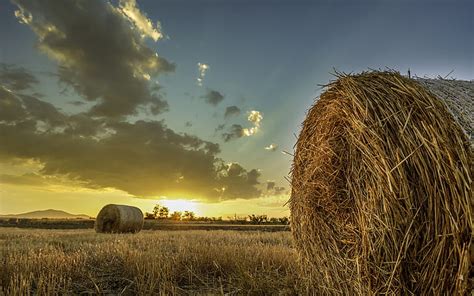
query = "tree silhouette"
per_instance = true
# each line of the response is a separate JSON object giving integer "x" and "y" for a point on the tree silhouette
{"x": 258, "y": 219}
{"x": 176, "y": 216}
{"x": 189, "y": 215}
{"x": 284, "y": 220}
{"x": 163, "y": 213}
{"x": 156, "y": 210}
{"x": 160, "y": 212}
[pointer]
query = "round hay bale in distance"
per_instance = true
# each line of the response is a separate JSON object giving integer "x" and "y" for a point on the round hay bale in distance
{"x": 382, "y": 190}
{"x": 119, "y": 219}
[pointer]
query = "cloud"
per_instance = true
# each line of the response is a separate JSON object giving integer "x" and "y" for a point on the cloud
{"x": 16, "y": 78}
{"x": 82, "y": 126}
{"x": 202, "y": 68}
{"x": 276, "y": 202}
{"x": 235, "y": 131}
{"x": 25, "y": 179}
{"x": 238, "y": 131}
{"x": 142, "y": 22}
{"x": 254, "y": 117}
{"x": 213, "y": 97}
{"x": 272, "y": 189}
{"x": 43, "y": 111}
{"x": 157, "y": 105}
{"x": 239, "y": 182}
{"x": 142, "y": 158}
{"x": 11, "y": 108}
{"x": 270, "y": 185}
{"x": 220, "y": 127}
{"x": 231, "y": 111}
{"x": 272, "y": 147}
{"x": 280, "y": 190}
{"x": 100, "y": 50}
{"x": 102, "y": 55}
{"x": 20, "y": 107}
{"x": 77, "y": 103}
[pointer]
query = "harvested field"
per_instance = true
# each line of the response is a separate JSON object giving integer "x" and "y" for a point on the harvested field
{"x": 149, "y": 262}
{"x": 147, "y": 225}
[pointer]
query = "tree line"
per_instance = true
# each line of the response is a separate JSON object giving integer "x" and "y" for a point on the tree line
{"x": 160, "y": 212}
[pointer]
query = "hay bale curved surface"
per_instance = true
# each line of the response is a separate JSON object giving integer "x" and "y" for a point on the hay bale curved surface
{"x": 459, "y": 98}
{"x": 119, "y": 219}
{"x": 382, "y": 190}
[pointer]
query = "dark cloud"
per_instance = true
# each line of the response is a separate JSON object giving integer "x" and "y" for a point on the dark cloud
{"x": 11, "y": 108}
{"x": 143, "y": 158}
{"x": 279, "y": 190}
{"x": 272, "y": 189}
{"x": 213, "y": 97}
{"x": 105, "y": 60}
{"x": 238, "y": 131}
{"x": 158, "y": 105}
{"x": 43, "y": 111}
{"x": 238, "y": 182}
{"x": 19, "y": 107}
{"x": 81, "y": 125}
{"x": 16, "y": 78}
{"x": 101, "y": 54}
{"x": 270, "y": 185}
{"x": 231, "y": 111}
{"x": 220, "y": 127}
{"x": 235, "y": 131}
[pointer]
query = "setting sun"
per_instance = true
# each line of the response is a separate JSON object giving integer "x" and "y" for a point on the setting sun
{"x": 181, "y": 205}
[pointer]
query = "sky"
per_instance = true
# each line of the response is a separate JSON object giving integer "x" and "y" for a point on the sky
{"x": 193, "y": 104}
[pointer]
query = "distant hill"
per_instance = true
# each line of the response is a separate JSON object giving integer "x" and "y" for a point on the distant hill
{"x": 50, "y": 214}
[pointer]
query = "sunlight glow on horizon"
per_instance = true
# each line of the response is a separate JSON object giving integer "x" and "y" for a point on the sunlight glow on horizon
{"x": 181, "y": 205}
{"x": 89, "y": 202}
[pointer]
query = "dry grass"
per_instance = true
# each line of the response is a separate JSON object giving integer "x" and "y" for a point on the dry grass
{"x": 151, "y": 262}
{"x": 382, "y": 191}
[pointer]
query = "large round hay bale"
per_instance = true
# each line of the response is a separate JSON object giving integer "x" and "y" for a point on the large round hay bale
{"x": 119, "y": 219}
{"x": 382, "y": 190}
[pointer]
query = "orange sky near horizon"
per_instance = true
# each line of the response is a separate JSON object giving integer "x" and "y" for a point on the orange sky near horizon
{"x": 89, "y": 202}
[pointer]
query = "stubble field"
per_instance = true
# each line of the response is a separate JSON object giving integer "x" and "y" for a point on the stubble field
{"x": 188, "y": 262}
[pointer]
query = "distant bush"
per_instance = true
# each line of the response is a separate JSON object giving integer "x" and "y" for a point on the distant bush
{"x": 149, "y": 216}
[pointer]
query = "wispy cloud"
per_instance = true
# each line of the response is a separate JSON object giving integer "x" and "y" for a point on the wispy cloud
{"x": 254, "y": 117}
{"x": 202, "y": 68}
{"x": 236, "y": 131}
{"x": 77, "y": 103}
{"x": 16, "y": 78}
{"x": 272, "y": 147}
